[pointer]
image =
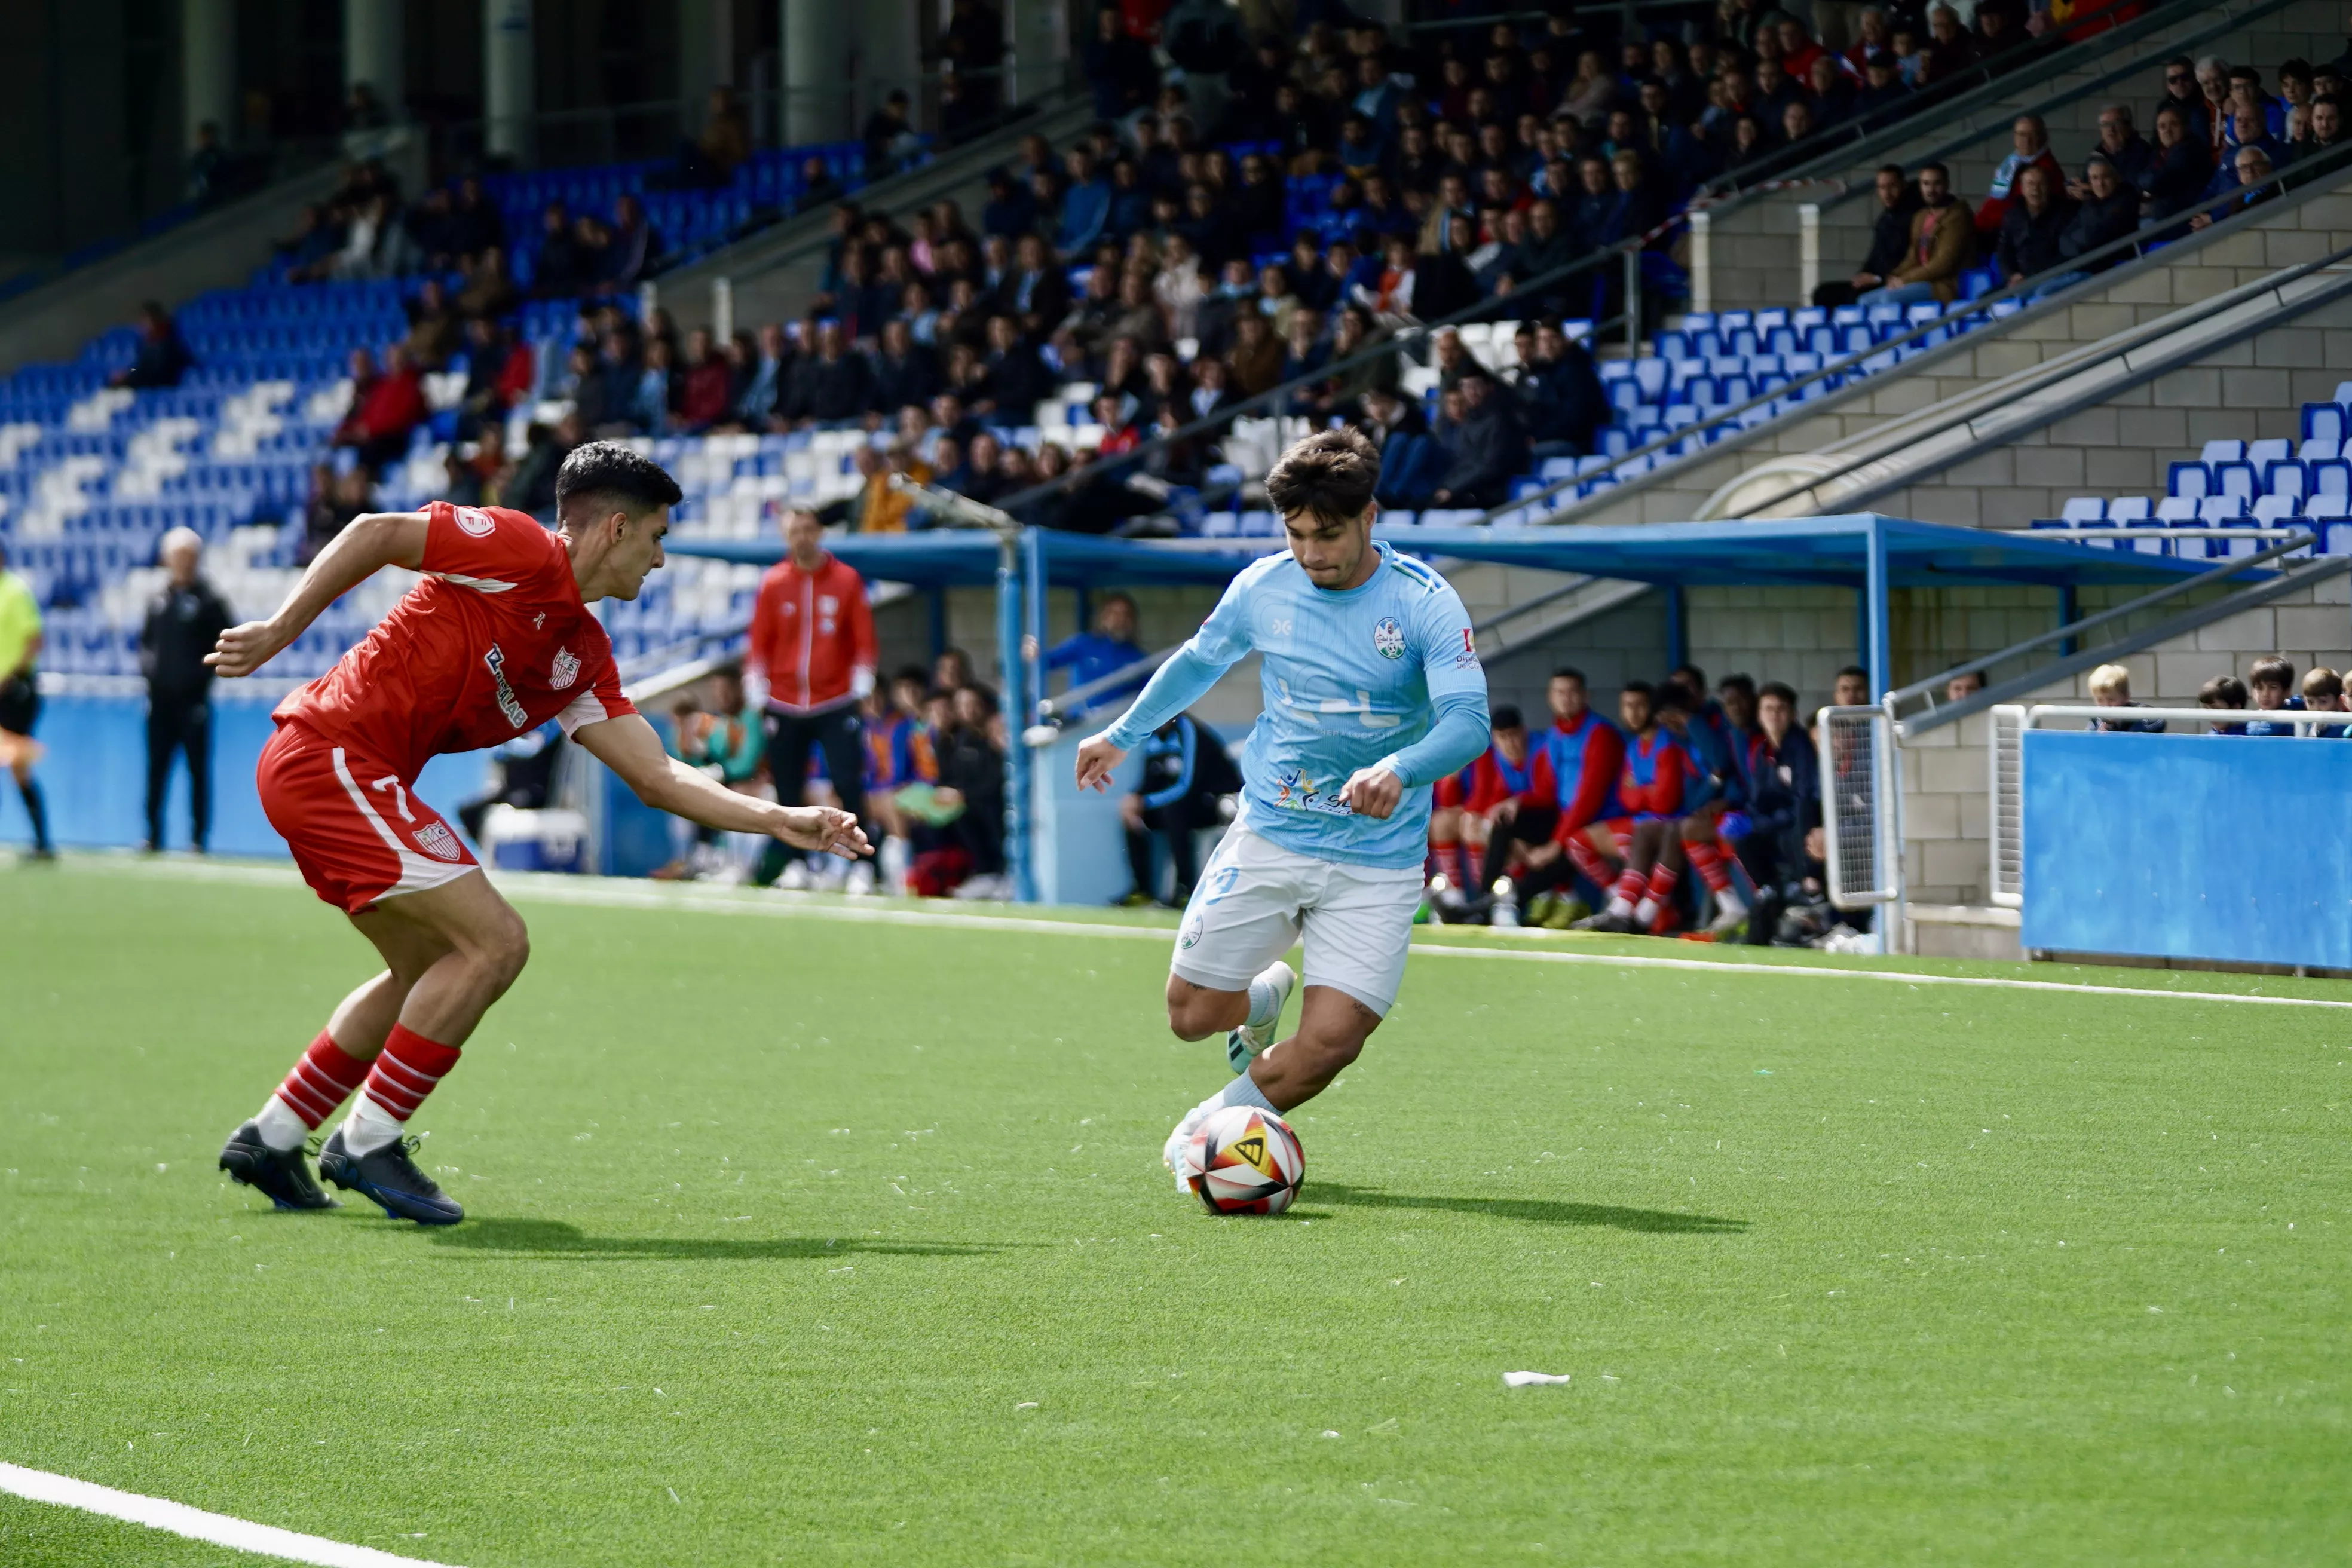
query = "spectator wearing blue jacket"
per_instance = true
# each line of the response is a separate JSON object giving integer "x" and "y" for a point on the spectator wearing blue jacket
{"x": 1086, "y": 207}
{"x": 1411, "y": 458}
{"x": 1186, "y": 770}
{"x": 1783, "y": 778}
{"x": 1108, "y": 648}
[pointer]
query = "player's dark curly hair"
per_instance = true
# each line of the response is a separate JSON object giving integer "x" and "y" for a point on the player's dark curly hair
{"x": 1330, "y": 476}
{"x": 610, "y": 473}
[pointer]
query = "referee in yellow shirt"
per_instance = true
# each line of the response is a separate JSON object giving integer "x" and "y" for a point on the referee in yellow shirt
{"x": 20, "y": 696}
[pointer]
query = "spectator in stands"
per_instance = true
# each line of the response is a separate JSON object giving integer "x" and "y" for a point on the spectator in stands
{"x": 1489, "y": 450}
{"x": 703, "y": 394}
{"x": 889, "y": 137}
{"x": 633, "y": 253}
{"x": 161, "y": 359}
{"x": 654, "y": 399}
{"x": 2271, "y": 683}
{"x": 831, "y": 385}
{"x": 2323, "y": 692}
{"x": 2111, "y": 687}
{"x": 1882, "y": 85}
{"x": 1780, "y": 773}
{"x": 1017, "y": 380}
{"x": 1412, "y": 460}
{"x": 1940, "y": 244}
{"x": 386, "y": 407}
{"x": 184, "y": 619}
{"x": 2030, "y": 147}
{"x": 2122, "y": 146}
{"x": 499, "y": 374}
{"x": 1118, "y": 67}
{"x": 2223, "y": 691}
{"x": 211, "y": 171}
{"x": 972, "y": 777}
{"x": 1949, "y": 50}
{"x": 2252, "y": 188}
{"x": 2246, "y": 130}
{"x": 2181, "y": 91}
{"x": 2183, "y": 165}
{"x": 2108, "y": 212}
{"x": 1085, "y": 208}
{"x": 1890, "y": 237}
{"x": 435, "y": 329}
{"x": 2031, "y": 229}
{"x": 1560, "y": 397}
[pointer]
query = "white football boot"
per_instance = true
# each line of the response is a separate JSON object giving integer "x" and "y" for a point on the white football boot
{"x": 797, "y": 878}
{"x": 1246, "y": 1044}
{"x": 1174, "y": 1154}
{"x": 860, "y": 884}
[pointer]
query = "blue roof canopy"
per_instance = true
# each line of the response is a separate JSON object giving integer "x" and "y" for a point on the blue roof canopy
{"x": 1797, "y": 552}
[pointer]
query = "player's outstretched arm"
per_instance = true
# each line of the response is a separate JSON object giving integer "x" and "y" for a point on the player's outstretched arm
{"x": 366, "y": 545}
{"x": 629, "y": 746}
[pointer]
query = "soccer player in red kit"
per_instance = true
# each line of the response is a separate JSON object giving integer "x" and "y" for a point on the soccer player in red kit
{"x": 499, "y": 638}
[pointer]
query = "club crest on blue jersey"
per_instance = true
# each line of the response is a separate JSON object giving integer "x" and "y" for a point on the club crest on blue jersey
{"x": 1294, "y": 791}
{"x": 1388, "y": 638}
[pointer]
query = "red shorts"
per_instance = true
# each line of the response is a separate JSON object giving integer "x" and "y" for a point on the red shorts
{"x": 356, "y": 832}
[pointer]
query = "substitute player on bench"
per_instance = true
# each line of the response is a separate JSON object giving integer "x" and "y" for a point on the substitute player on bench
{"x": 497, "y": 638}
{"x": 1372, "y": 691}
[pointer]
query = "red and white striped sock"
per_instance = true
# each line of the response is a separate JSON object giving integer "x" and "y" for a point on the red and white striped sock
{"x": 402, "y": 1076}
{"x": 323, "y": 1079}
{"x": 1586, "y": 860}
{"x": 1663, "y": 879}
{"x": 1449, "y": 862}
{"x": 1629, "y": 885}
{"x": 1709, "y": 861}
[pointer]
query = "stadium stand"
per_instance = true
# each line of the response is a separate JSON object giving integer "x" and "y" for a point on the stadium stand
{"x": 1168, "y": 248}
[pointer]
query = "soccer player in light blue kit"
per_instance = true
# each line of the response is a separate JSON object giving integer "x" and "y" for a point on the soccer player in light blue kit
{"x": 1372, "y": 692}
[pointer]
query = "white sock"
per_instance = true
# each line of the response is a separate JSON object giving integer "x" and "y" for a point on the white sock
{"x": 1730, "y": 903}
{"x": 1645, "y": 911}
{"x": 370, "y": 1127}
{"x": 1266, "y": 997}
{"x": 281, "y": 1128}
{"x": 1243, "y": 1090}
{"x": 1620, "y": 906}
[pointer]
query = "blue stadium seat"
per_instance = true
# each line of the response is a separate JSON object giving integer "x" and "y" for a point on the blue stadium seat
{"x": 2193, "y": 480}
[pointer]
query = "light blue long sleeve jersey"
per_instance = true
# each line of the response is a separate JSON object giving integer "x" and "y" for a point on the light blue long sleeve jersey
{"x": 1384, "y": 672}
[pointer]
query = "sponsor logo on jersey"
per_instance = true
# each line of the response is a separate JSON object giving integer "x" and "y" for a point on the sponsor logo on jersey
{"x": 1192, "y": 936}
{"x": 440, "y": 842}
{"x": 565, "y": 670}
{"x": 1388, "y": 638}
{"x": 473, "y": 519}
{"x": 1294, "y": 791}
{"x": 508, "y": 703}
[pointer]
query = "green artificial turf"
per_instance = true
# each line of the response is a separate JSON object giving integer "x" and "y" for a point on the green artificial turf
{"x": 805, "y": 1241}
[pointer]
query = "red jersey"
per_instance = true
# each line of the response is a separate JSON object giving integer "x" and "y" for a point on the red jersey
{"x": 810, "y": 630}
{"x": 495, "y": 641}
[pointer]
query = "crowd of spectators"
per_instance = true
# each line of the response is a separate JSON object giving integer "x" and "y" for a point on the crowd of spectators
{"x": 2210, "y": 146}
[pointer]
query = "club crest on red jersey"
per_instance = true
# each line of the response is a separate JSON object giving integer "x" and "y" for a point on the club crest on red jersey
{"x": 473, "y": 519}
{"x": 566, "y": 670}
{"x": 440, "y": 842}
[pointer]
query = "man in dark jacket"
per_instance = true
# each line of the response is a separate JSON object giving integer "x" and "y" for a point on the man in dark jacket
{"x": 1489, "y": 450}
{"x": 1890, "y": 235}
{"x": 2108, "y": 211}
{"x": 1560, "y": 396}
{"x": 2031, "y": 230}
{"x": 184, "y": 618}
{"x": 1186, "y": 770}
{"x": 2121, "y": 145}
{"x": 829, "y": 385}
{"x": 162, "y": 357}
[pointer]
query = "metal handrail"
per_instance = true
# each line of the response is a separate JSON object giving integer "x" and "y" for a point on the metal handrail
{"x": 2235, "y": 566}
{"x": 1960, "y": 310}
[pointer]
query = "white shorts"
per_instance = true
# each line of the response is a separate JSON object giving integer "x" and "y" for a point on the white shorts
{"x": 1254, "y": 898}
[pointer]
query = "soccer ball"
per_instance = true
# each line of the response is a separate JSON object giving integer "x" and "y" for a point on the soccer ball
{"x": 1245, "y": 1160}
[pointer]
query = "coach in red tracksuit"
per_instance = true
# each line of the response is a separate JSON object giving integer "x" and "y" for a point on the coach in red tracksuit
{"x": 813, "y": 646}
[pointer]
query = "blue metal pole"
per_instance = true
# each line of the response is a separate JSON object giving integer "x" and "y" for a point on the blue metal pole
{"x": 1017, "y": 708}
{"x": 1034, "y": 606}
{"x": 1878, "y": 645}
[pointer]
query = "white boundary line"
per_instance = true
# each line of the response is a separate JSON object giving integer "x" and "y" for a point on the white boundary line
{"x": 623, "y": 893}
{"x": 178, "y": 1519}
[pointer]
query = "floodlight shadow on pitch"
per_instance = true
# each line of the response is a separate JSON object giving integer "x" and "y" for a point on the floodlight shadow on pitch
{"x": 557, "y": 1238}
{"x": 1536, "y": 1211}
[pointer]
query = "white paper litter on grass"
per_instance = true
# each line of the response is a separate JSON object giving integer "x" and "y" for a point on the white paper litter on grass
{"x": 1522, "y": 1379}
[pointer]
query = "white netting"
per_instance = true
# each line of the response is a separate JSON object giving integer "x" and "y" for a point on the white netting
{"x": 2008, "y": 806}
{"x": 1857, "y": 780}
